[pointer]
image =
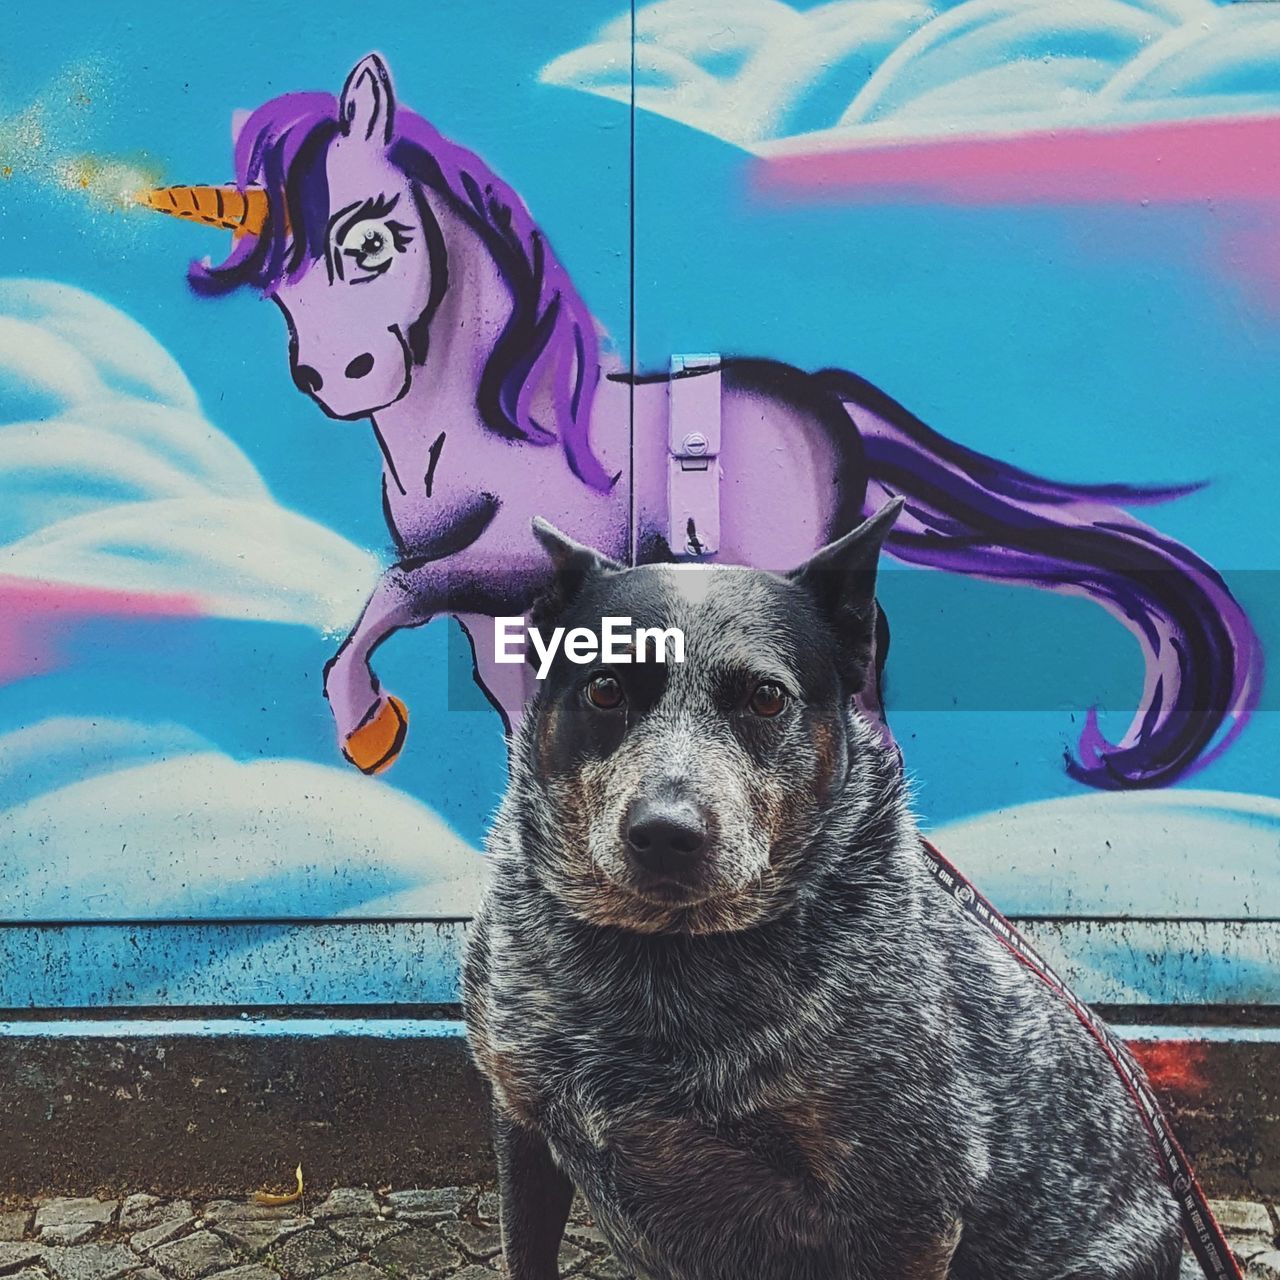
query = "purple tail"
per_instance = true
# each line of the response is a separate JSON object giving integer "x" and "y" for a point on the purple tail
{"x": 971, "y": 514}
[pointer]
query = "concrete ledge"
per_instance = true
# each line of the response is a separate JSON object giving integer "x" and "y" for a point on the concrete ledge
{"x": 112, "y": 1107}
{"x": 200, "y": 1105}
{"x": 1222, "y": 1096}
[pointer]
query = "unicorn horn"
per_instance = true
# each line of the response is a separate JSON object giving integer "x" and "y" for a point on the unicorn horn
{"x": 242, "y": 211}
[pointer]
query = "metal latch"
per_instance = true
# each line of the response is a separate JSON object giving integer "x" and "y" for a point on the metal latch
{"x": 693, "y": 468}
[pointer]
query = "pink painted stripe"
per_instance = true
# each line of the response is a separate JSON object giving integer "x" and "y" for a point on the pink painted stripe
{"x": 35, "y": 616}
{"x": 1163, "y": 162}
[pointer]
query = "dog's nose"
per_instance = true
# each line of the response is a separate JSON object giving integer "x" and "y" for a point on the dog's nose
{"x": 307, "y": 378}
{"x": 666, "y": 836}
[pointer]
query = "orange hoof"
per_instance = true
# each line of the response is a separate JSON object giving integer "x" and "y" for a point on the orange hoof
{"x": 377, "y": 742}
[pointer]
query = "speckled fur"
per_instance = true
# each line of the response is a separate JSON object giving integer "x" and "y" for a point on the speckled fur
{"x": 818, "y": 1069}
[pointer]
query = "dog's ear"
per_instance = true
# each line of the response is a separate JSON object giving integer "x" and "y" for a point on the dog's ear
{"x": 841, "y": 578}
{"x": 569, "y": 556}
{"x": 573, "y": 563}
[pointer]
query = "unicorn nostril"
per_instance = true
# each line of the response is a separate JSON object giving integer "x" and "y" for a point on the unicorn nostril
{"x": 360, "y": 366}
{"x": 307, "y": 379}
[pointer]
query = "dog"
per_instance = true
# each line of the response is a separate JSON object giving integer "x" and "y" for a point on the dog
{"x": 713, "y": 987}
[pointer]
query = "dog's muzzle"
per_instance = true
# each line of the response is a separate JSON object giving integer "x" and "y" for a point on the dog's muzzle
{"x": 666, "y": 835}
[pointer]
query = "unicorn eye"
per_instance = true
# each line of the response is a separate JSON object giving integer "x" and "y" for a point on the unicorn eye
{"x": 372, "y": 244}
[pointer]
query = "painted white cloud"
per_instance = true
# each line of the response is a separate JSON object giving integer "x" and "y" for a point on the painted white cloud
{"x": 734, "y": 72}
{"x": 1167, "y": 867}
{"x": 111, "y": 819}
{"x": 762, "y": 72}
{"x": 114, "y": 477}
{"x": 1190, "y": 854}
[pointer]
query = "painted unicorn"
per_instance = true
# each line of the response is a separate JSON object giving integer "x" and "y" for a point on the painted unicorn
{"x": 419, "y": 294}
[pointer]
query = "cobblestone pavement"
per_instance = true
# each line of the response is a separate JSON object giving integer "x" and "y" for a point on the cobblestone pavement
{"x": 438, "y": 1233}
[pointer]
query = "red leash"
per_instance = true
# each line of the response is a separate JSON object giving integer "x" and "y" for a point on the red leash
{"x": 1198, "y": 1223}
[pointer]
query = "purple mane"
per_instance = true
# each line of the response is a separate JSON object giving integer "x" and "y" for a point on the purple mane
{"x": 549, "y": 337}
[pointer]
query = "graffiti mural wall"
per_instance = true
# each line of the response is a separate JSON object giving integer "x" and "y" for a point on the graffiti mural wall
{"x": 709, "y": 283}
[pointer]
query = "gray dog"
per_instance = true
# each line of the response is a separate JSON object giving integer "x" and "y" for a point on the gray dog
{"x": 713, "y": 986}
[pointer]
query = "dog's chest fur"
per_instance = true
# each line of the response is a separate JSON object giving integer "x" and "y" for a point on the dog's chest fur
{"x": 601, "y": 1099}
{"x": 648, "y": 1060}
{"x": 630, "y": 1033}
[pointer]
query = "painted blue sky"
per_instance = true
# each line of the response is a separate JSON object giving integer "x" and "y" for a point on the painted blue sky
{"x": 1095, "y": 344}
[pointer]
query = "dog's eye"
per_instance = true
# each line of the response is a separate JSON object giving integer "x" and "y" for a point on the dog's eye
{"x": 605, "y": 692}
{"x": 768, "y": 700}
